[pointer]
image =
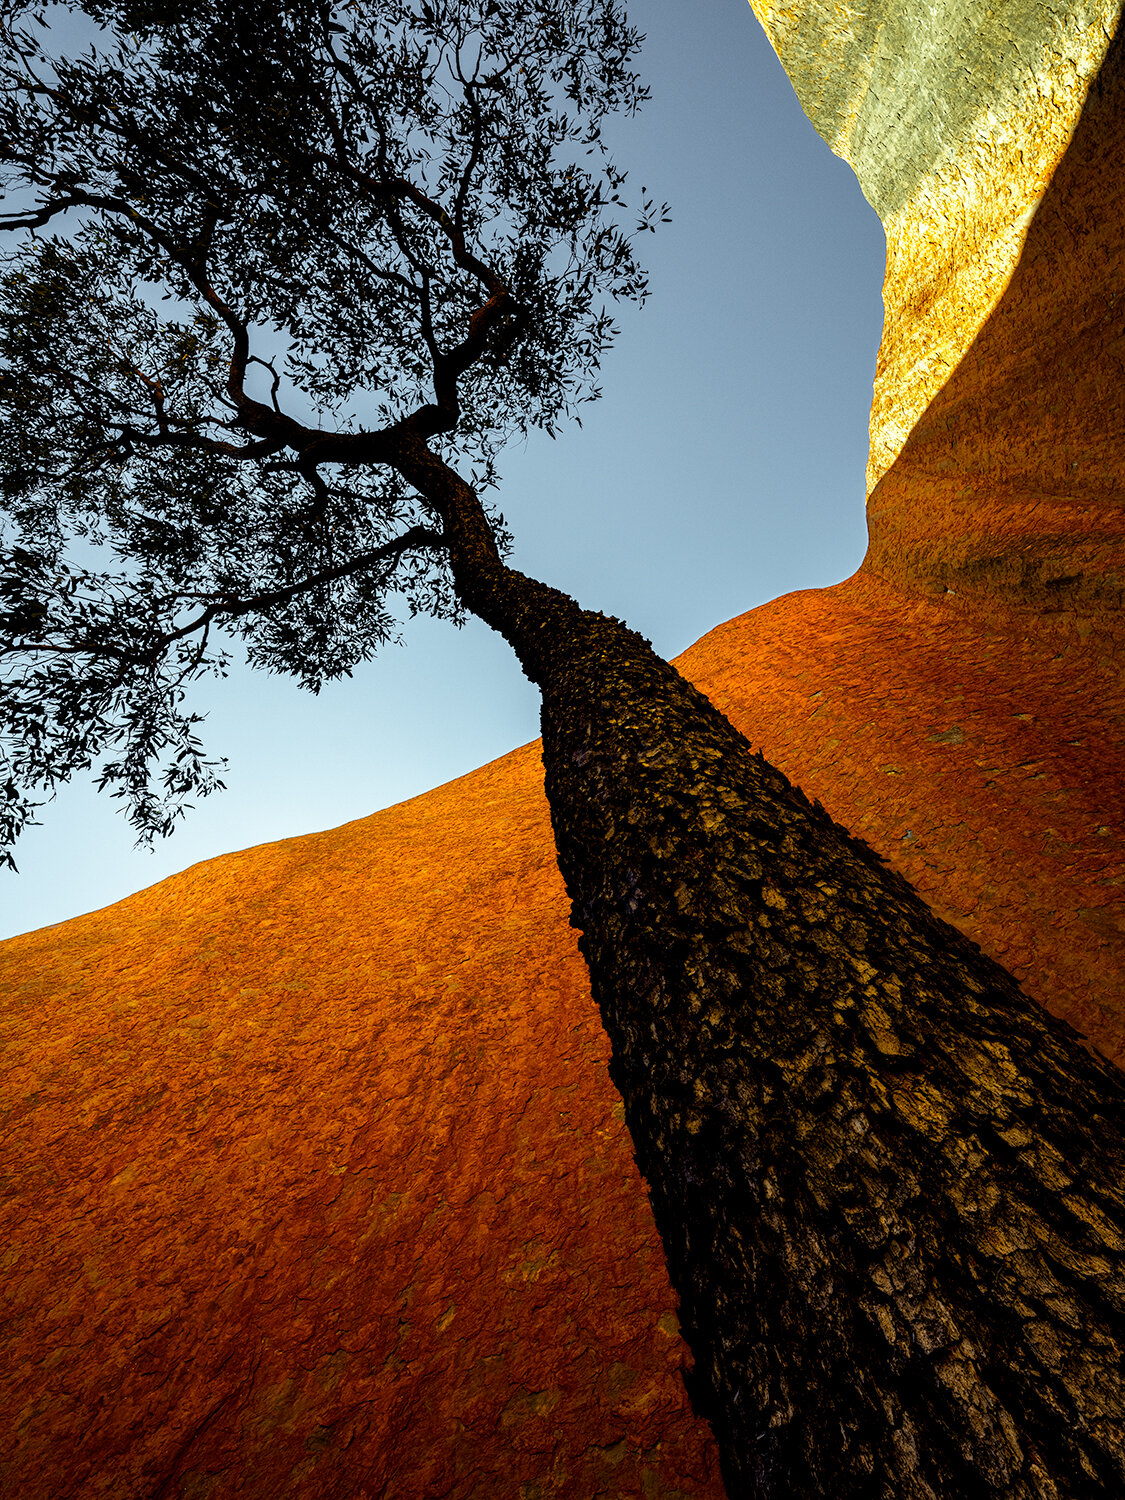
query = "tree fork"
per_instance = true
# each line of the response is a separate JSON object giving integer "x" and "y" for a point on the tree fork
{"x": 890, "y": 1187}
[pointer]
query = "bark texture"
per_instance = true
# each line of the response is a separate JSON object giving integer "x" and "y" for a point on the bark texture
{"x": 888, "y": 1184}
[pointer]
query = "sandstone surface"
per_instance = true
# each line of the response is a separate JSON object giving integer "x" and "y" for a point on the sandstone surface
{"x": 316, "y": 1185}
{"x": 954, "y": 118}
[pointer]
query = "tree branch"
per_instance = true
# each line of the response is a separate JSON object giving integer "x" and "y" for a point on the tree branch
{"x": 264, "y": 448}
{"x": 44, "y": 215}
{"x": 454, "y": 362}
{"x": 417, "y": 536}
{"x": 229, "y": 608}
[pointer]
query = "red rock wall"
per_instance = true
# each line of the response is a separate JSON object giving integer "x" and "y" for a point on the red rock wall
{"x": 316, "y": 1184}
{"x": 319, "y": 1187}
{"x": 984, "y": 759}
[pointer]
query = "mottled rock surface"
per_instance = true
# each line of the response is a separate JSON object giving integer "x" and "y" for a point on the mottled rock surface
{"x": 316, "y": 1185}
{"x": 954, "y": 117}
{"x": 320, "y": 1187}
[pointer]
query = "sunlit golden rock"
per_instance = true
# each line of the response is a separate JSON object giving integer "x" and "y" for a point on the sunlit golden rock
{"x": 954, "y": 118}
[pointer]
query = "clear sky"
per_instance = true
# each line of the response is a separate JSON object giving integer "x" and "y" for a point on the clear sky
{"x": 723, "y": 467}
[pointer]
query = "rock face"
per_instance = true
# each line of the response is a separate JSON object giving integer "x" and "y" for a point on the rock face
{"x": 322, "y": 1187}
{"x": 317, "y": 1186}
{"x": 954, "y": 118}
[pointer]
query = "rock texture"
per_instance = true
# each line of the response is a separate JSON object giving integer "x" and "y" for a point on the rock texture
{"x": 316, "y": 1185}
{"x": 320, "y": 1187}
{"x": 954, "y": 117}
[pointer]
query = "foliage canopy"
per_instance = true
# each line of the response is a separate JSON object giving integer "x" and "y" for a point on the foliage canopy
{"x": 248, "y": 246}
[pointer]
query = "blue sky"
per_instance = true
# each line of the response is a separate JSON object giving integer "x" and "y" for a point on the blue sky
{"x": 723, "y": 467}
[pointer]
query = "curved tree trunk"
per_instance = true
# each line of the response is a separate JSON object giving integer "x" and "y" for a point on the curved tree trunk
{"x": 891, "y": 1188}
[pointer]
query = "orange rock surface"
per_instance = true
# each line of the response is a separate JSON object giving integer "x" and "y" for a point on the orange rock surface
{"x": 322, "y": 1188}
{"x": 316, "y": 1185}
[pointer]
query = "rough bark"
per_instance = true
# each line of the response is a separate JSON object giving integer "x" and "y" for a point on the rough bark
{"x": 889, "y": 1186}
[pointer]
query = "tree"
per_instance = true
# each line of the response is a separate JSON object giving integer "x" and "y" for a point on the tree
{"x": 287, "y": 280}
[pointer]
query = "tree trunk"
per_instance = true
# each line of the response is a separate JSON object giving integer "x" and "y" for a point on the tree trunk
{"x": 889, "y": 1185}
